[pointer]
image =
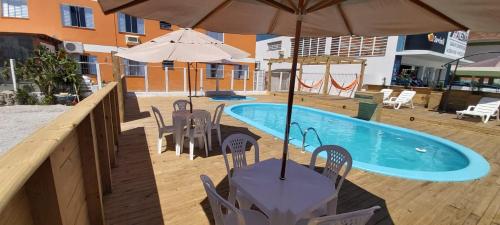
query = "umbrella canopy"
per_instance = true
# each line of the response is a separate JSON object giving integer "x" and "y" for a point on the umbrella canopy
{"x": 485, "y": 68}
{"x": 320, "y": 17}
{"x": 316, "y": 18}
{"x": 184, "y": 45}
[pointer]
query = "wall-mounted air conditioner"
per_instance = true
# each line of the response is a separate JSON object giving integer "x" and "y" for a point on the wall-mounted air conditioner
{"x": 132, "y": 40}
{"x": 73, "y": 47}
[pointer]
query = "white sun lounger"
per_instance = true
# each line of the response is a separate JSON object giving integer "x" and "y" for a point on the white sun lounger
{"x": 387, "y": 93}
{"x": 486, "y": 108}
{"x": 405, "y": 98}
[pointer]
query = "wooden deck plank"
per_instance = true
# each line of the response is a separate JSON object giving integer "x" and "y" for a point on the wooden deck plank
{"x": 165, "y": 189}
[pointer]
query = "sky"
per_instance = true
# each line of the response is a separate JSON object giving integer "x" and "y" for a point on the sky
{"x": 261, "y": 37}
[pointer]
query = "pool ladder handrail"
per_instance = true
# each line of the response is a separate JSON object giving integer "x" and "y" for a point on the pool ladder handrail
{"x": 304, "y": 135}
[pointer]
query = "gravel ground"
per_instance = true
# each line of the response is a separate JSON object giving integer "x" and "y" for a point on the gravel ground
{"x": 18, "y": 122}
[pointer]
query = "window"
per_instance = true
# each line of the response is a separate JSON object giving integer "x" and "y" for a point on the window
{"x": 274, "y": 46}
{"x": 216, "y": 35}
{"x": 240, "y": 71}
{"x": 15, "y": 8}
{"x": 215, "y": 71}
{"x": 165, "y": 26}
{"x": 75, "y": 16}
{"x": 130, "y": 24}
{"x": 168, "y": 63}
{"x": 88, "y": 64}
{"x": 134, "y": 68}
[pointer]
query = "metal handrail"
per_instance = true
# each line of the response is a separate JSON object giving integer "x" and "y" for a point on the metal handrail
{"x": 303, "y": 133}
{"x": 315, "y": 132}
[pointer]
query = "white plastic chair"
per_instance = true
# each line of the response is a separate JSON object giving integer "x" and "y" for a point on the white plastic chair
{"x": 233, "y": 216}
{"x": 200, "y": 121}
{"x": 162, "y": 129}
{"x": 182, "y": 105}
{"x": 216, "y": 121}
{"x": 486, "y": 108}
{"x": 337, "y": 158}
{"x": 359, "y": 217}
{"x": 387, "y": 93}
{"x": 237, "y": 143}
{"x": 405, "y": 98}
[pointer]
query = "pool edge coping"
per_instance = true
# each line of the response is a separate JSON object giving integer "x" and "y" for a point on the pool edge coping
{"x": 477, "y": 168}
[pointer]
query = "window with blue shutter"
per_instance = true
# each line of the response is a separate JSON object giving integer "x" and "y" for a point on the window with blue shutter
{"x": 240, "y": 71}
{"x": 216, "y": 35}
{"x": 215, "y": 71}
{"x": 130, "y": 24}
{"x": 76, "y": 16}
{"x": 88, "y": 64}
{"x": 15, "y": 8}
{"x": 134, "y": 68}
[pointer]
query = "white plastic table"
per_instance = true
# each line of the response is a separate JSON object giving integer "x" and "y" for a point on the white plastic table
{"x": 283, "y": 201}
{"x": 179, "y": 119}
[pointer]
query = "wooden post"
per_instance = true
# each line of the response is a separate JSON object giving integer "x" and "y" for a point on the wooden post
{"x": 269, "y": 75}
{"x": 326, "y": 79}
{"x": 361, "y": 75}
{"x": 98, "y": 116}
{"x": 117, "y": 76}
{"x": 114, "y": 116}
{"x": 42, "y": 195}
{"x": 109, "y": 131}
{"x": 91, "y": 169}
{"x": 300, "y": 77}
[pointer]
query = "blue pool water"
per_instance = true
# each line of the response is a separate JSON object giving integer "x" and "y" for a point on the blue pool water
{"x": 375, "y": 147}
{"x": 231, "y": 98}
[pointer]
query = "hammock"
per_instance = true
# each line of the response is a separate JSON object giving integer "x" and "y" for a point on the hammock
{"x": 346, "y": 88}
{"x": 314, "y": 85}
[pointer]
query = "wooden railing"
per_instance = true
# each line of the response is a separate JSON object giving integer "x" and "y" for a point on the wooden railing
{"x": 59, "y": 174}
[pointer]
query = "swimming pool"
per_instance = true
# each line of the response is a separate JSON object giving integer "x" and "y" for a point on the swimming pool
{"x": 231, "y": 98}
{"x": 375, "y": 147}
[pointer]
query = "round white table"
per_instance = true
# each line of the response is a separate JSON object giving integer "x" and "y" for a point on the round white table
{"x": 283, "y": 201}
{"x": 179, "y": 119}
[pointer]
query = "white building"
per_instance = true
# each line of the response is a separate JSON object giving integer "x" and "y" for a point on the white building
{"x": 387, "y": 57}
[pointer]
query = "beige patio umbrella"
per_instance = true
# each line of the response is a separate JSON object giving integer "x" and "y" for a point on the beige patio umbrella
{"x": 183, "y": 45}
{"x": 317, "y": 18}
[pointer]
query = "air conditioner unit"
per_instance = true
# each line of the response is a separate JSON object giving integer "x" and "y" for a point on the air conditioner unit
{"x": 132, "y": 40}
{"x": 73, "y": 47}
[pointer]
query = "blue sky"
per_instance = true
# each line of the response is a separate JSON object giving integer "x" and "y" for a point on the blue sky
{"x": 261, "y": 37}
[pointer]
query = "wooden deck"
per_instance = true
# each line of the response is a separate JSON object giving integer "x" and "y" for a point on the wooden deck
{"x": 164, "y": 189}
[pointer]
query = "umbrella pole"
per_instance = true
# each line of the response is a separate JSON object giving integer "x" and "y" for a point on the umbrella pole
{"x": 298, "y": 27}
{"x": 189, "y": 82}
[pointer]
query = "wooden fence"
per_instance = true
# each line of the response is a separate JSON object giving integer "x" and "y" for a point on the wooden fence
{"x": 59, "y": 174}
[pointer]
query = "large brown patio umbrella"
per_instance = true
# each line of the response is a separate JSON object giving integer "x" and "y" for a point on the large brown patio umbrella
{"x": 316, "y": 18}
{"x": 183, "y": 45}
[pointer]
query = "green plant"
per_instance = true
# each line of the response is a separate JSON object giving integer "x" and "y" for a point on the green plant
{"x": 23, "y": 96}
{"x": 50, "y": 71}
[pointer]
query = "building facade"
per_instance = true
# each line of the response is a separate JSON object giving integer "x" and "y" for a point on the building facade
{"x": 81, "y": 28}
{"x": 387, "y": 58}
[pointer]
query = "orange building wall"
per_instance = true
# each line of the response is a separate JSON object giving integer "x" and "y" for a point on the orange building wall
{"x": 45, "y": 18}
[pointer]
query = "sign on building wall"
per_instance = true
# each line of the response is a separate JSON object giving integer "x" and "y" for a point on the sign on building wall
{"x": 435, "y": 42}
{"x": 457, "y": 43}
